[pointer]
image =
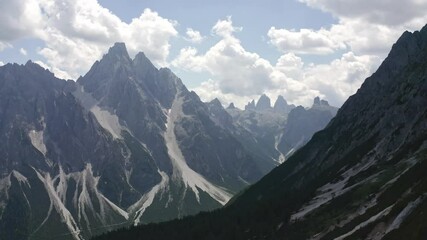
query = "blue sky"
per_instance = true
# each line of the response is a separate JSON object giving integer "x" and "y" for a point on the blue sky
{"x": 232, "y": 50}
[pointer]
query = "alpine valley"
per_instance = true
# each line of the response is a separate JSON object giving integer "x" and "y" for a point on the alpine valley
{"x": 128, "y": 144}
{"x": 361, "y": 177}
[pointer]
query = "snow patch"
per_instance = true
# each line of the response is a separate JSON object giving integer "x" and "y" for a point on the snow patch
{"x": 296, "y": 147}
{"x": 86, "y": 187}
{"x": 107, "y": 120}
{"x": 147, "y": 199}
{"x": 62, "y": 187}
{"x": 59, "y": 206}
{"x": 82, "y": 201}
{"x": 21, "y": 178}
{"x": 331, "y": 190}
{"x": 404, "y": 213}
{"x": 117, "y": 209}
{"x": 182, "y": 171}
{"x": 365, "y": 223}
{"x": 277, "y": 140}
{"x": 37, "y": 140}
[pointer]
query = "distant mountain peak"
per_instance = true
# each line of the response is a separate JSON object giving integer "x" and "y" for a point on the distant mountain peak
{"x": 141, "y": 58}
{"x": 319, "y": 102}
{"x": 143, "y": 65}
{"x": 280, "y": 100}
{"x": 324, "y": 102}
{"x": 34, "y": 67}
{"x": 316, "y": 101}
{"x": 216, "y": 102}
{"x": 250, "y": 105}
{"x": 263, "y": 103}
{"x": 231, "y": 106}
{"x": 118, "y": 49}
{"x": 281, "y": 105}
{"x": 31, "y": 64}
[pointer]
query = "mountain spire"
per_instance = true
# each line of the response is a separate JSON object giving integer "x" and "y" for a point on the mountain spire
{"x": 263, "y": 103}
{"x": 281, "y": 105}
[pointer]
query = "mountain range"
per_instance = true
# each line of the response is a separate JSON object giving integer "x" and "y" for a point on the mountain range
{"x": 126, "y": 144}
{"x": 361, "y": 177}
{"x": 279, "y": 130}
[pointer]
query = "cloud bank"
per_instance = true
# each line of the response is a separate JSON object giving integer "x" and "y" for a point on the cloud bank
{"x": 77, "y": 33}
{"x": 239, "y": 75}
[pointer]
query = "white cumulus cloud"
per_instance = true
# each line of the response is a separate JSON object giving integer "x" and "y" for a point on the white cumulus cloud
{"x": 77, "y": 33}
{"x": 193, "y": 36}
{"x": 19, "y": 18}
{"x": 23, "y": 51}
{"x": 342, "y": 77}
{"x": 384, "y": 12}
{"x": 239, "y": 75}
{"x": 305, "y": 41}
{"x": 237, "y": 70}
{"x": 225, "y": 28}
{"x": 369, "y": 27}
{"x": 4, "y": 45}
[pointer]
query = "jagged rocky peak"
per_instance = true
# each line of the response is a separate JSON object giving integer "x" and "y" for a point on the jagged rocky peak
{"x": 322, "y": 105}
{"x": 215, "y": 102}
{"x": 144, "y": 68}
{"x": 319, "y": 102}
{"x": 118, "y": 52}
{"x": 316, "y": 101}
{"x": 109, "y": 74}
{"x": 231, "y": 106}
{"x": 34, "y": 67}
{"x": 281, "y": 105}
{"x": 405, "y": 50}
{"x": 31, "y": 64}
{"x": 116, "y": 57}
{"x": 141, "y": 58}
{"x": 280, "y": 102}
{"x": 250, "y": 105}
{"x": 324, "y": 102}
{"x": 30, "y": 75}
{"x": 264, "y": 103}
{"x": 169, "y": 81}
{"x": 142, "y": 61}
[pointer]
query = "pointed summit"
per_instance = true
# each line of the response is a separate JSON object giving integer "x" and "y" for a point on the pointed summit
{"x": 263, "y": 103}
{"x": 143, "y": 66}
{"x": 250, "y": 105}
{"x": 116, "y": 54}
{"x": 321, "y": 104}
{"x": 118, "y": 49}
{"x": 316, "y": 101}
{"x": 215, "y": 102}
{"x": 109, "y": 74}
{"x": 142, "y": 60}
{"x": 281, "y": 105}
{"x": 231, "y": 106}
